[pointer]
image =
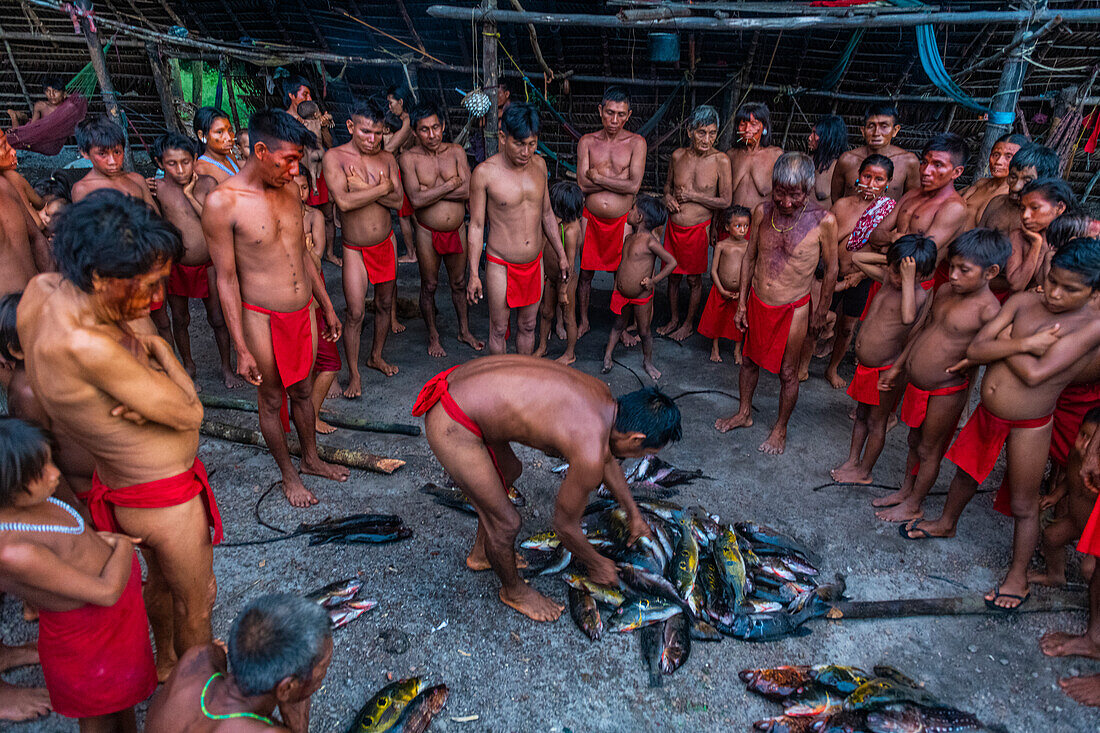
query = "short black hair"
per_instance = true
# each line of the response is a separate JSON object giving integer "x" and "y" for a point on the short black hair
{"x": 921, "y": 248}
{"x": 832, "y": 141}
{"x": 54, "y": 82}
{"x": 735, "y": 210}
{"x": 760, "y": 111}
{"x": 51, "y": 187}
{"x": 24, "y": 453}
{"x": 983, "y": 247}
{"x": 566, "y": 201}
{"x": 1065, "y": 227}
{"x": 882, "y": 109}
{"x": 9, "y": 335}
{"x": 1080, "y": 256}
{"x": 111, "y": 234}
{"x": 520, "y": 121}
{"x": 950, "y": 143}
{"x": 98, "y": 132}
{"x": 376, "y": 109}
{"x": 1055, "y": 191}
{"x": 205, "y": 117}
{"x": 424, "y": 110}
{"x": 1044, "y": 160}
{"x": 1012, "y": 138}
{"x": 615, "y": 93}
{"x": 275, "y": 637}
{"x": 174, "y": 141}
{"x": 308, "y": 109}
{"x": 270, "y": 126}
{"x": 1092, "y": 417}
{"x": 398, "y": 91}
{"x": 290, "y": 87}
{"x": 653, "y": 210}
{"x": 879, "y": 161}
{"x": 652, "y": 412}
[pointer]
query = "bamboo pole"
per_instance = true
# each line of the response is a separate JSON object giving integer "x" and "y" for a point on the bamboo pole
{"x": 167, "y": 106}
{"x": 196, "y": 83}
{"x": 343, "y": 456}
{"x": 343, "y": 421}
{"x": 491, "y": 80}
{"x": 106, "y": 86}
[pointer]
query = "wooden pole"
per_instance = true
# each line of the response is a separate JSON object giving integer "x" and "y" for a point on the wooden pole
{"x": 18, "y": 75}
{"x": 196, "y": 83}
{"x": 106, "y": 86}
{"x": 491, "y": 80}
{"x": 167, "y": 105}
{"x": 232, "y": 99}
{"x": 1008, "y": 88}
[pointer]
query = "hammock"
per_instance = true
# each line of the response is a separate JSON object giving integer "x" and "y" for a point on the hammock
{"x": 47, "y": 135}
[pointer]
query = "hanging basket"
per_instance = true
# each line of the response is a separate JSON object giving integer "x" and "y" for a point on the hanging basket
{"x": 477, "y": 103}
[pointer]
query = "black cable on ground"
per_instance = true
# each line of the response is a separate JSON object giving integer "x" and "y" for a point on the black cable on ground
{"x": 884, "y": 486}
{"x": 256, "y": 511}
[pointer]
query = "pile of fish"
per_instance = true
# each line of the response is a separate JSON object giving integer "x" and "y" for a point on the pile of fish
{"x": 356, "y": 529}
{"x": 828, "y": 698}
{"x": 405, "y": 706}
{"x": 339, "y": 599}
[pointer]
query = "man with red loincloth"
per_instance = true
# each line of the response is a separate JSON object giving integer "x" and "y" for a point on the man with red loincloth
{"x": 699, "y": 184}
{"x": 790, "y": 234}
{"x": 108, "y": 382}
{"x": 267, "y": 283}
{"x": 510, "y": 192}
{"x": 610, "y": 168}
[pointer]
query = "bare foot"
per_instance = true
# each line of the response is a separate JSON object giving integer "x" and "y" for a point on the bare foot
{"x": 324, "y": 470}
{"x": 1085, "y": 690}
{"x": 892, "y": 499}
{"x": 409, "y": 256}
{"x": 715, "y": 356}
{"x": 435, "y": 349}
{"x": 726, "y": 424}
{"x": 540, "y": 351}
{"x": 231, "y": 380}
{"x": 531, "y": 603}
{"x": 651, "y": 370}
{"x": 334, "y": 260}
{"x": 803, "y": 374}
{"x": 333, "y": 390}
{"x": 23, "y": 703}
{"x": 606, "y": 366}
{"x": 567, "y": 358}
{"x": 737, "y": 354}
{"x": 930, "y": 530}
{"x": 396, "y": 327}
{"x": 845, "y": 474}
{"x": 477, "y": 561}
{"x": 892, "y": 422}
{"x": 323, "y": 427}
{"x": 1061, "y": 644}
{"x": 468, "y": 339}
{"x": 18, "y": 656}
{"x": 1007, "y": 596}
{"x": 354, "y": 388}
{"x": 682, "y": 332}
{"x": 835, "y": 380}
{"x": 629, "y": 339}
{"x": 775, "y": 444}
{"x": 668, "y": 328}
{"x": 1049, "y": 579}
{"x": 900, "y": 513}
{"x": 559, "y": 330}
{"x": 297, "y": 494}
{"x": 583, "y": 328}
{"x": 381, "y": 365}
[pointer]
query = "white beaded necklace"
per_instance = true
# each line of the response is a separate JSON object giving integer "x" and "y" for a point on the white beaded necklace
{"x": 24, "y": 527}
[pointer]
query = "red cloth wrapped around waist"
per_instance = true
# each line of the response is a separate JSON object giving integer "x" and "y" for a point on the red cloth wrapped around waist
{"x": 1069, "y": 413}
{"x": 328, "y": 355}
{"x": 524, "y": 280}
{"x": 864, "y": 385}
{"x": 689, "y": 245}
{"x": 189, "y": 281}
{"x": 380, "y": 259}
{"x": 978, "y": 444}
{"x": 719, "y": 319}
{"x": 769, "y": 326}
{"x": 914, "y": 407}
{"x": 1090, "y": 537}
{"x": 170, "y": 491}
{"x": 97, "y": 659}
{"x": 291, "y": 341}
{"x": 618, "y": 300}
{"x": 603, "y": 242}
{"x": 445, "y": 243}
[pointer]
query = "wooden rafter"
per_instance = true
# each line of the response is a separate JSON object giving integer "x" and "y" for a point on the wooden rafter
{"x": 233, "y": 17}
{"x": 273, "y": 9}
{"x": 409, "y": 23}
{"x": 317, "y": 34}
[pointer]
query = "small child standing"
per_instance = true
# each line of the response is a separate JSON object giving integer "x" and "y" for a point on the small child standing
{"x": 93, "y": 633}
{"x": 937, "y": 390}
{"x": 634, "y": 280}
{"x": 719, "y": 315}
{"x": 893, "y": 312}
{"x": 567, "y": 202}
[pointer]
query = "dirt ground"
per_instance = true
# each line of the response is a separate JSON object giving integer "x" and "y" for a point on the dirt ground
{"x": 517, "y": 676}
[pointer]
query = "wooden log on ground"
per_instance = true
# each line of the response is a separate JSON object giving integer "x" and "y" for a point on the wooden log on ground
{"x": 1052, "y": 602}
{"x": 341, "y": 421}
{"x": 349, "y": 457}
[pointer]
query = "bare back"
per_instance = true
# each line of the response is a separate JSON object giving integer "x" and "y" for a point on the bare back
{"x": 752, "y": 174}
{"x": 786, "y": 260}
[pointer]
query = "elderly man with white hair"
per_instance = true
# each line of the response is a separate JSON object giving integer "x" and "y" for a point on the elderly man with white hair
{"x": 790, "y": 234}
{"x": 699, "y": 184}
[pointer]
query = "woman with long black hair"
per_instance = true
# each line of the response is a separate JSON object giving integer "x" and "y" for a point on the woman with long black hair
{"x": 828, "y": 140}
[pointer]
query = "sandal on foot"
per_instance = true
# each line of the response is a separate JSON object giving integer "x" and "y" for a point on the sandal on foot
{"x": 911, "y": 526}
{"x": 992, "y": 604}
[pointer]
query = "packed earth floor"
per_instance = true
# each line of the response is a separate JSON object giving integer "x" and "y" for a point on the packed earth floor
{"x": 440, "y": 621}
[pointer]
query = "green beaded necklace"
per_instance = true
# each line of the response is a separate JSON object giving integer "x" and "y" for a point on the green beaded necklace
{"x": 227, "y": 716}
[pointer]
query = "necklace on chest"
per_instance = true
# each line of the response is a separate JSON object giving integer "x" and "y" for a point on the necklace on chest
{"x": 793, "y": 224}
{"x": 49, "y": 528}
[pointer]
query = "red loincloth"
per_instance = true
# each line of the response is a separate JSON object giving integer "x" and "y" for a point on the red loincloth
{"x": 978, "y": 444}
{"x": 769, "y": 326}
{"x": 719, "y": 319}
{"x": 689, "y": 246}
{"x": 603, "y": 242}
{"x": 1069, "y": 413}
{"x": 322, "y": 196}
{"x": 98, "y": 660}
{"x": 380, "y": 259}
{"x": 328, "y": 356}
{"x": 864, "y": 386}
{"x": 292, "y": 344}
{"x": 47, "y": 135}
{"x": 942, "y": 274}
{"x": 914, "y": 406}
{"x": 1090, "y": 537}
{"x": 1002, "y": 295}
{"x": 445, "y": 243}
{"x": 618, "y": 300}
{"x": 189, "y": 281}
{"x": 524, "y": 281}
{"x": 436, "y": 390}
{"x": 169, "y": 491}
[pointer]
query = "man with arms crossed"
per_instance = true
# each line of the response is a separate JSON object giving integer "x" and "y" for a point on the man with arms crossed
{"x": 437, "y": 183}
{"x": 267, "y": 282}
{"x": 510, "y": 191}
{"x": 610, "y": 167}
{"x": 365, "y": 181}
{"x": 880, "y": 127}
{"x": 108, "y": 382}
{"x": 790, "y": 235}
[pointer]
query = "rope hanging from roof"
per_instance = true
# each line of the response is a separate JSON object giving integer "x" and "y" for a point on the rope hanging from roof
{"x": 837, "y": 72}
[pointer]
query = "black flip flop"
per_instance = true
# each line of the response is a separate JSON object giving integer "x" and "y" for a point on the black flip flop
{"x": 911, "y": 526}
{"x": 992, "y": 604}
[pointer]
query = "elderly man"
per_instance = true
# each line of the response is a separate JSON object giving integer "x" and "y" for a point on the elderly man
{"x": 790, "y": 235}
